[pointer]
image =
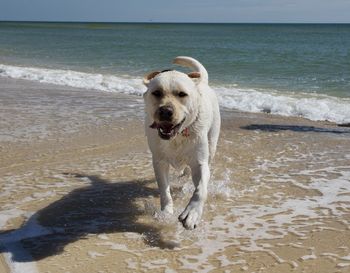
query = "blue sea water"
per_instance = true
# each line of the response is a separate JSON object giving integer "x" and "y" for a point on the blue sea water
{"x": 287, "y": 69}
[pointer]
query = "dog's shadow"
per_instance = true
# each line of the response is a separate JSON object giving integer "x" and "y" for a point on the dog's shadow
{"x": 102, "y": 207}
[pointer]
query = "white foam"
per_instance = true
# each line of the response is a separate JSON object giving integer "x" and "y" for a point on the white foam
{"x": 120, "y": 247}
{"x": 103, "y": 236}
{"x": 94, "y": 254}
{"x": 19, "y": 267}
{"x": 308, "y": 257}
{"x": 341, "y": 265}
{"x": 285, "y": 215}
{"x": 13, "y": 247}
{"x": 9, "y": 214}
{"x": 74, "y": 79}
{"x": 313, "y": 107}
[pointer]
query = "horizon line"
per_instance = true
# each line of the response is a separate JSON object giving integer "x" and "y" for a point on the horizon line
{"x": 167, "y": 22}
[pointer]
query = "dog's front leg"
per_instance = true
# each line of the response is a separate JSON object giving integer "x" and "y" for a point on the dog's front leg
{"x": 161, "y": 170}
{"x": 191, "y": 216}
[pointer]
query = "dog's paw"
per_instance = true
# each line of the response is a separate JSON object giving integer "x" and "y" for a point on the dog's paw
{"x": 191, "y": 216}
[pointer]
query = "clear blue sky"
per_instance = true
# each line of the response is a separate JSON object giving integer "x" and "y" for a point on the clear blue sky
{"x": 299, "y": 11}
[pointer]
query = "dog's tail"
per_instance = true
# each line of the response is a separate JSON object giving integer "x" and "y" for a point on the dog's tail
{"x": 192, "y": 63}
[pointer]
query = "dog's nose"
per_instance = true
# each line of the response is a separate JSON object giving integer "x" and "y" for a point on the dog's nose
{"x": 165, "y": 113}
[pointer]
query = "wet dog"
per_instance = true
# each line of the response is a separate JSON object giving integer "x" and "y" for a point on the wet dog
{"x": 182, "y": 128}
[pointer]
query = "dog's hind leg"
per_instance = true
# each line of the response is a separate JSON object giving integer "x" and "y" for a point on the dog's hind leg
{"x": 213, "y": 137}
{"x": 161, "y": 170}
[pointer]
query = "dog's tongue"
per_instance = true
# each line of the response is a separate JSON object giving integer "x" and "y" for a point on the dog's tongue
{"x": 166, "y": 126}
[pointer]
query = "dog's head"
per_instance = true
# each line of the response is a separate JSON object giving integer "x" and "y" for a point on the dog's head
{"x": 172, "y": 98}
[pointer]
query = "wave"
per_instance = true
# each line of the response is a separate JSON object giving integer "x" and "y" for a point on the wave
{"x": 313, "y": 107}
{"x": 77, "y": 79}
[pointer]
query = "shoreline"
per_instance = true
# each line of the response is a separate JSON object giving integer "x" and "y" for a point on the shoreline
{"x": 86, "y": 179}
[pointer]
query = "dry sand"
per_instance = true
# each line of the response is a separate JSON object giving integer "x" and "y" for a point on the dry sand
{"x": 77, "y": 191}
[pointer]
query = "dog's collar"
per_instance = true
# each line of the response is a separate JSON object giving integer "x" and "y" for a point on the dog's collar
{"x": 185, "y": 132}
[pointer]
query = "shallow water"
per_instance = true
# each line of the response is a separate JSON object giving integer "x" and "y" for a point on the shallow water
{"x": 83, "y": 196}
{"x": 31, "y": 111}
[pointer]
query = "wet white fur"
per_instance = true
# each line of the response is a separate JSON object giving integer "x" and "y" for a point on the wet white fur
{"x": 201, "y": 111}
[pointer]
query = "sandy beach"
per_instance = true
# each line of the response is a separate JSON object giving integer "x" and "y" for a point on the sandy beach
{"x": 78, "y": 194}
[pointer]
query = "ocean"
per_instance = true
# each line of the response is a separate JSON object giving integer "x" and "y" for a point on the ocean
{"x": 284, "y": 69}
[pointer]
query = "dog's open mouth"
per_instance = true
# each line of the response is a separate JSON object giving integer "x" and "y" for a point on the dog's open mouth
{"x": 167, "y": 130}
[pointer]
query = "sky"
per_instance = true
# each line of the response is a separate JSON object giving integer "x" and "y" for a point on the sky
{"x": 219, "y": 11}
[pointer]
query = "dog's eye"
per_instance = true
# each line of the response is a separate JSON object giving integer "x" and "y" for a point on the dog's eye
{"x": 182, "y": 94}
{"x": 157, "y": 93}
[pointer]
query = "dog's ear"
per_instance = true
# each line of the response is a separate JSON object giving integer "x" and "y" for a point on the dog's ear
{"x": 194, "y": 75}
{"x": 147, "y": 78}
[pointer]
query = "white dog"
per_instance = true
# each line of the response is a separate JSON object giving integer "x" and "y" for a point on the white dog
{"x": 182, "y": 128}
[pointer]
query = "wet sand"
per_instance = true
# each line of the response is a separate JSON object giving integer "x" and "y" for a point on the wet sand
{"x": 77, "y": 191}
